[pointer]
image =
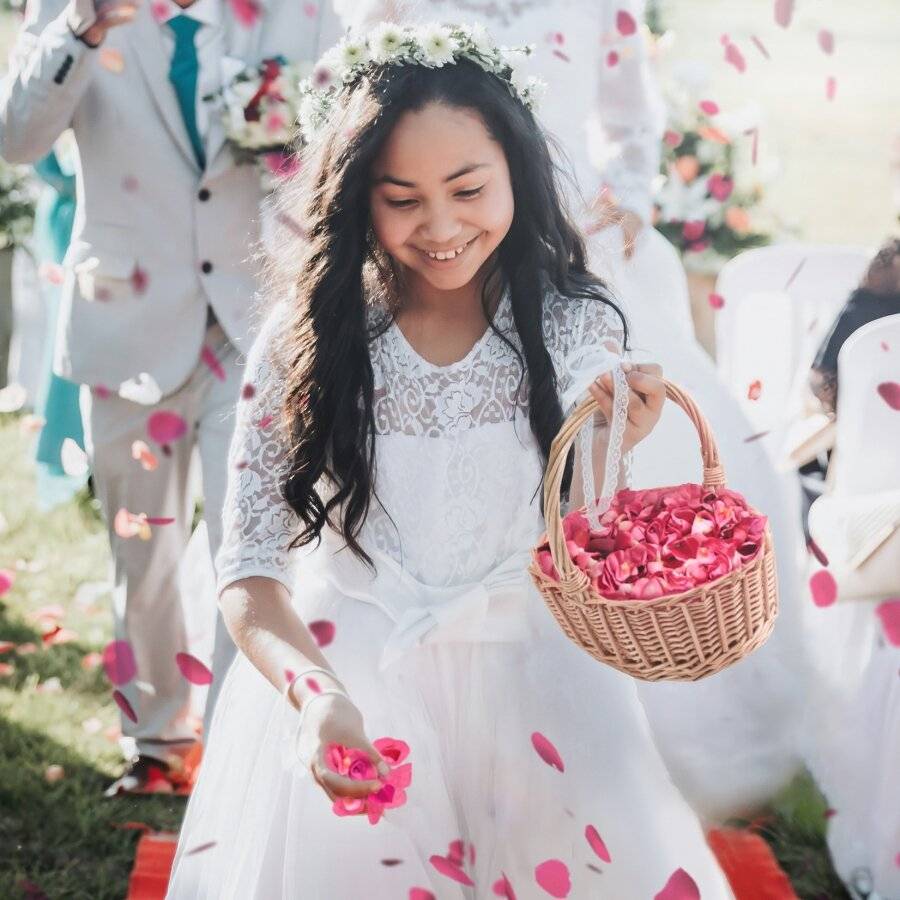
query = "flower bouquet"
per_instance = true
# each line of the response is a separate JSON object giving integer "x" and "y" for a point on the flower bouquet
{"x": 672, "y": 583}
{"x": 260, "y": 105}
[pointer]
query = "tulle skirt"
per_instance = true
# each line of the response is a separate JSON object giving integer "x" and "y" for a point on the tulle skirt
{"x": 529, "y": 752}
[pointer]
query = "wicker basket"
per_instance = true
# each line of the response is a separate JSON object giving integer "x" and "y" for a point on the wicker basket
{"x": 680, "y": 637}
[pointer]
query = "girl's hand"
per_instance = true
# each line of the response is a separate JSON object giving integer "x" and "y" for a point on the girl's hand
{"x": 334, "y": 719}
{"x": 646, "y": 395}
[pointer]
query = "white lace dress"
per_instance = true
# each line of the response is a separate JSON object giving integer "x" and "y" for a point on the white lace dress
{"x": 449, "y": 648}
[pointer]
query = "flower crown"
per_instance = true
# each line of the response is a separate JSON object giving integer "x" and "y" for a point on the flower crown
{"x": 431, "y": 46}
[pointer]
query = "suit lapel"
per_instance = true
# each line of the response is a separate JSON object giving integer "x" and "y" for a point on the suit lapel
{"x": 144, "y": 33}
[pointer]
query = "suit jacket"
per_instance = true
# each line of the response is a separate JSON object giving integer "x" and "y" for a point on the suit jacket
{"x": 155, "y": 239}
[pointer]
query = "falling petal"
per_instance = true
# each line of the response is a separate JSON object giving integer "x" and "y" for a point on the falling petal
{"x": 889, "y": 613}
{"x": 612, "y": 58}
{"x": 673, "y": 138}
{"x": 200, "y": 848}
{"x": 124, "y": 705}
{"x": 830, "y": 87}
{"x": 323, "y": 631}
{"x": 547, "y": 752}
{"x": 889, "y": 391}
{"x": 166, "y": 427}
{"x": 291, "y": 224}
{"x": 418, "y": 893}
{"x": 130, "y": 184}
{"x": 212, "y": 362}
{"x": 503, "y": 888}
{"x": 710, "y": 107}
{"x": 139, "y": 279}
{"x": 310, "y": 10}
{"x": 160, "y": 520}
{"x": 391, "y": 862}
{"x": 734, "y": 57}
{"x": 823, "y": 588}
{"x": 245, "y": 11}
{"x": 754, "y": 148}
{"x": 313, "y": 685}
{"x": 160, "y": 10}
{"x": 754, "y": 391}
{"x": 553, "y": 876}
{"x": 817, "y": 552}
{"x": 192, "y": 669}
{"x": 885, "y": 346}
{"x": 826, "y": 41}
{"x": 625, "y": 23}
{"x": 784, "y": 11}
{"x": 716, "y": 301}
{"x": 447, "y": 868}
{"x": 596, "y": 842}
{"x": 7, "y": 579}
{"x": 265, "y": 422}
{"x": 248, "y": 392}
{"x": 760, "y": 46}
{"x": 680, "y": 886}
{"x": 112, "y": 60}
{"x": 119, "y": 662}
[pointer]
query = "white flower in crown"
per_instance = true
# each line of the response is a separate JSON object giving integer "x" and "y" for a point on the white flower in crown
{"x": 437, "y": 45}
{"x": 386, "y": 42}
{"x": 480, "y": 39}
{"x": 516, "y": 59}
{"x": 534, "y": 92}
{"x": 352, "y": 54}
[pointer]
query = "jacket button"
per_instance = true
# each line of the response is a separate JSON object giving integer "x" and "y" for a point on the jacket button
{"x": 206, "y": 267}
{"x": 203, "y": 195}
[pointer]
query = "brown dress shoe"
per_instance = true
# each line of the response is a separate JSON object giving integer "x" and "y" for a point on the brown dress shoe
{"x": 143, "y": 775}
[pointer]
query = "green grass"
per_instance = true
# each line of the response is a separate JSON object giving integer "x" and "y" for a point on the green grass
{"x": 63, "y": 837}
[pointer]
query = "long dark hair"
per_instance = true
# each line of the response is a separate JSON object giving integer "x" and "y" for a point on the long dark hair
{"x": 327, "y": 413}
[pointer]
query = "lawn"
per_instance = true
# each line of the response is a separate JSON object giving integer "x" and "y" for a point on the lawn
{"x": 60, "y": 839}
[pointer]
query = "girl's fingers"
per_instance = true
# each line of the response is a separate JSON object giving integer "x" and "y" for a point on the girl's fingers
{"x": 652, "y": 388}
{"x": 346, "y": 787}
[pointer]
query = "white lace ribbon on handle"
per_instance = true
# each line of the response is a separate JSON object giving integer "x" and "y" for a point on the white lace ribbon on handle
{"x": 583, "y": 365}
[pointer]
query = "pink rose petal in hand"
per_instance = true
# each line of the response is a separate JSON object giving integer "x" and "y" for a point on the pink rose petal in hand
{"x": 597, "y": 844}
{"x": 119, "y": 662}
{"x": 192, "y": 669}
{"x": 680, "y": 886}
{"x": 553, "y": 876}
{"x": 823, "y": 588}
{"x": 547, "y": 752}
{"x": 889, "y": 613}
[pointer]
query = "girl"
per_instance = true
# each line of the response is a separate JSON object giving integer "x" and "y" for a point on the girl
{"x": 398, "y": 411}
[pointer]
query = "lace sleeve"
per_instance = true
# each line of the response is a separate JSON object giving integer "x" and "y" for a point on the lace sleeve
{"x": 257, "y": 523}
{"x": 630, "y": 118}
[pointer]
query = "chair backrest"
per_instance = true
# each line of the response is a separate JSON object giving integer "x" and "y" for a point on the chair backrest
{"x": 868, "y": 428}
{"x": 780, "y": 301}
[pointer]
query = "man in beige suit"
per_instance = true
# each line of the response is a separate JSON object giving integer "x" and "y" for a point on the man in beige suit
{"x": 159, "y": 293}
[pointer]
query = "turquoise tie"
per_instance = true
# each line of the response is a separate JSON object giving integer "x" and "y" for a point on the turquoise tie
{"x": 183, "y": 75}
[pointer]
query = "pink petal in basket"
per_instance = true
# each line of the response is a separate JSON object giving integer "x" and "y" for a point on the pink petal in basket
{"x": 553, "y": 876}
{"x": 680, "y": 886}
{"x": 119, "y": 663}
{"x": 597, "y": 844}
{"x": 889, "y": 613}
{"x": 447, "y": 868}
{"x": 823, "y": 588}
{"x": 547, "y": 752}
{"x": 192, "y": 669}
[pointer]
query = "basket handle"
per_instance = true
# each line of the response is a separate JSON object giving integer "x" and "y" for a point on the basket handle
{"x": 571, "y": 577}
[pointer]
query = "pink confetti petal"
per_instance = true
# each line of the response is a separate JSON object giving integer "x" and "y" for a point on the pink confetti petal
{"x": 503, "y": 888}
{"x": 212, "y": 362}
{"x": 889, "y": 391}
{"x": 784, "y": 11}
{"x": 265, "y": 422}
{"x": 323, "y": 631}
{"x": 885, "y": 346}
{"x": 612, "y": 58}
{"x": 124, "y": 705}
{"x": 201, "y": 848}
{"x": 447, "y": 868}
{"x": 248, "y": 392}
{"x": 710, "y": 107}
{"x": 817, "y": 552}
{"x": 166, "y": 427}
{"x": 716, "y": 301}
{"x": 160, "y": 10}
{"x": 310, "y": 10}
{"x": 673, "y": 138}
{"x": 119, "y": 662}
{"x": 889, "y": 613}
{"x": 547, "y": 752}
{"x": 760, "y": 46}
{"x": 418, "y": 893}
{"x": 139, "y": 279}
{"x": 7, "y": 579}
{"x": 625, "y": 23}
{"x": 130, "y": 184}
{"x": 754, "y": 391}
{"x": 245, "y": 11}
{"x": 734, "y": 57}
{"x": 596, "y": 842}
{"x": 680, "y": 886}
{"x": 826, "y": 41}
{"x": 823, "y": 588}
{"x": 159, "y": 520}
{"x": 560, "y": 55}
{"x": 553, "y": 876}
{"x": 192, "y": 669}
{"x": 830, "y": 87}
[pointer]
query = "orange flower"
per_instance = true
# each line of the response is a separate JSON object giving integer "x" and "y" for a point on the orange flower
{"x": 708, "y": 133}
{"x": 688, "y": 167}
{"x": 736, "y": 219}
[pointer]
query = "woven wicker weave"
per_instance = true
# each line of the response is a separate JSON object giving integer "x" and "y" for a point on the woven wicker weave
{"x": 681, "y": 637}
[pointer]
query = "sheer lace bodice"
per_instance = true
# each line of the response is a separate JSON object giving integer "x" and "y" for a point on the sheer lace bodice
{"x": 458, "y": 470}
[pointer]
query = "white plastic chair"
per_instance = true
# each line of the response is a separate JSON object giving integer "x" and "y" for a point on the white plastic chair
{"x": 868, "y": 429}
{"x": 780, "y": 302}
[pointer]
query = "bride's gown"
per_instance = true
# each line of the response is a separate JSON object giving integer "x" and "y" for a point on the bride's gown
{"x": 451, "y": 649}
{"x": 730, "y": 741}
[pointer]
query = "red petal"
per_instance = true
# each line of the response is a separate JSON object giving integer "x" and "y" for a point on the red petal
{"x": 502, "y": 888}
{"x": 680, "y": 886}
{"x": 625, "y": 23}
{"x": 165, "y": 426}
{"x": 547, "y": 752}
{"x": 553, "y": 876}
{"x": 889, "y": 391}
{"x": 596, "y": 842}
{"x": 447, "y": 868}
{"x": 823, "y": 588}
{"x": 124, "y": 705}
{"x": 323, "y": 631}
{"x": 119, "y": 663}
{"x": 192, "y": 669}
{"x": 418, "y": 893}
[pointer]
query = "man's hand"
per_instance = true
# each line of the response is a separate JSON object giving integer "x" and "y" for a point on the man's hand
{"x": 109, "y": 15}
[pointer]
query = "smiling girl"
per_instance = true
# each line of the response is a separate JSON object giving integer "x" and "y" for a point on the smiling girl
{"x": 406, "y": 720}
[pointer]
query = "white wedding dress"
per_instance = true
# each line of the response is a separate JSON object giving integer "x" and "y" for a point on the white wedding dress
{"x": 731, "y": 740}
{"x": 449, "y": 648}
